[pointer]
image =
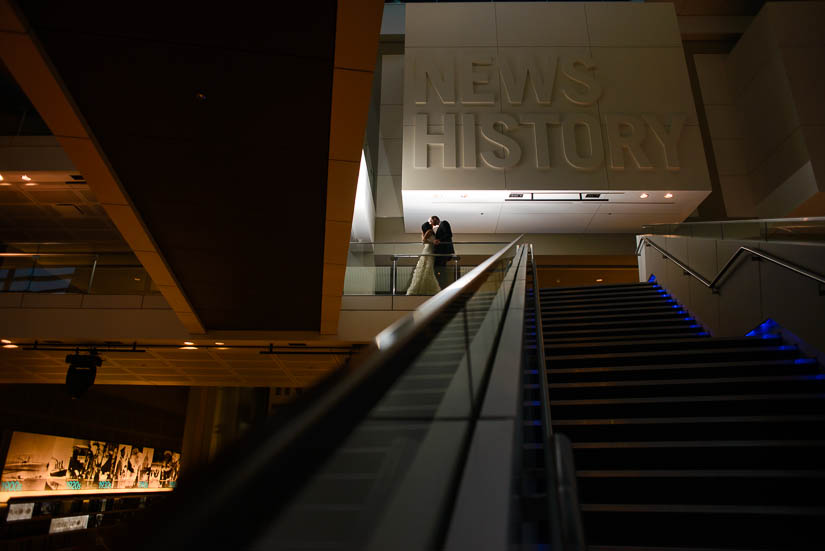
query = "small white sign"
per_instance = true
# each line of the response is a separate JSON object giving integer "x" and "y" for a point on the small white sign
{"x": 68, "y": 524}
{"x": 20, "y": 511}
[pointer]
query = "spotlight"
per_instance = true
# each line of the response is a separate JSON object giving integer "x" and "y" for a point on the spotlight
{"x": 82, "y": 372}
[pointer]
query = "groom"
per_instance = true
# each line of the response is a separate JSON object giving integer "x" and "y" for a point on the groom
{"x": 443, "y": 245}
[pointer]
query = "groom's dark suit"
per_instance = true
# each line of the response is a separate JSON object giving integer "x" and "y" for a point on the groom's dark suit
{"x": 445, "y": 246}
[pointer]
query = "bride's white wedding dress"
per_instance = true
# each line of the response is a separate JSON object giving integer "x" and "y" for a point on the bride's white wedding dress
{"x": 423, "y": 279}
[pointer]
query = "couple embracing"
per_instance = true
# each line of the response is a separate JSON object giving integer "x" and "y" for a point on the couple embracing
{"x": 430, "y": 274}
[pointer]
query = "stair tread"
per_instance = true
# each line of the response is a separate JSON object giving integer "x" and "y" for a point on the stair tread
{"x": 710, "y": 398}
{"x": 699, "y": 444}
{"x": 682, "y": 420}
{"x": 715, "y": 509}
{"x": 691, "y": 349}
{"x": 746, "y": 363}
{"x": 706, "y": 380}
{"x": 701, "y": 473}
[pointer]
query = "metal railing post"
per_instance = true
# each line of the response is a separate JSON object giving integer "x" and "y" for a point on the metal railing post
{"x": 393, "y": 274}
{"x": 92, "y": 275}
{"x": 457, "y": 269}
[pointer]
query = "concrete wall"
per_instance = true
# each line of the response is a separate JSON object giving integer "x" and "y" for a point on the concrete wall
{"x": 776, "y": 132}
{"x": 753, "y": 292}
{"x": 392, "y": 229}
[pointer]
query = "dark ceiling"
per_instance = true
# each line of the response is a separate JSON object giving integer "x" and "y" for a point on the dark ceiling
{"x": 216, "y": 120}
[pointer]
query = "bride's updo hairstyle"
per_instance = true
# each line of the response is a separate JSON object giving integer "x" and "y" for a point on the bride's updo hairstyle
{"x": 426, "y": 235}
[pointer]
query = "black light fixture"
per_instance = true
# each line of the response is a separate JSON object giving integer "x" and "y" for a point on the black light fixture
{"x": 82, "y": 372}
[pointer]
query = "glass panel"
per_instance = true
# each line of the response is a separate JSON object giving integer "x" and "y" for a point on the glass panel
{"x": 402, "y": 458}
{"x": 370, "y": 265}
{"x": 809, "y": 230}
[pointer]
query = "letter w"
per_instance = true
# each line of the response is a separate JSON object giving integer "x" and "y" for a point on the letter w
{"x": 542, "y": 76}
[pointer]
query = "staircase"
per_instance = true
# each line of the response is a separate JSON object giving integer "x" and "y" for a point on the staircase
{"x": 682, "y": 440}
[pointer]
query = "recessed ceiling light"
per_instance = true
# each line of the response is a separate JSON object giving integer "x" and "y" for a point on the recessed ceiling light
{"x": 220, "y": 343}
{"x": 5, "y": 341}
{"x": 1, "y": 177}
{"x": 4, "y": 184}
{"x": 10, "y": 346}
{"x": 137, "y": 279}
{"x": 188, "y": 347}
{"x": 26, "y": 178}
{"x": 644, "y": 196}
{"x": 599, "y": 280}
{"x": 222, "y": 348}
{"x": 31, "y": 183}
{"x": 188, "y": 343}
{"x": 668, "y": 196}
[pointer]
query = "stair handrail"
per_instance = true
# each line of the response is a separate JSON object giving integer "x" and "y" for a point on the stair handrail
{"x": 562, "y": 496}
{"x": 712, "y": 283}
{"x": 307, "y": 430}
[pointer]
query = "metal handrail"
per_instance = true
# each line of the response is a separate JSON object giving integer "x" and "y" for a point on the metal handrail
{"x": 562, "y": 495}
{"x": 296, "y": 443}
{"x": 545, "y": 408}
{"x": 712, "y": 283}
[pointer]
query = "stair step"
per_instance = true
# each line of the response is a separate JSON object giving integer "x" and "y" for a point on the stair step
{"x": 666, "y": 315}
{"x": 628, "y": 331}
{"x": 607, "y": 310}
{"x": 798, "y": 488}
{"x": 685, "y": 354}
{"x": 724, "y": 427}
{"x": 701, "y": 454}
{"x": 552, "y": 308}
{"x": 668, "y": 406}
{"x": 613, "y": 287}
{"x": 646, "y": 294}
{"x": 733, "y": 368}
{"x": 650, "y": 345}
{"x": 680, "y": 333}
{"x": 715, "y": 385}
{"x": 595, "y": 326}
{"x": 685, "y": 526}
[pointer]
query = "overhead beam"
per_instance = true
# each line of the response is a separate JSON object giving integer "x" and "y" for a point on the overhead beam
{"x": 28, "y": 64}
{"x": 358, "y": 24}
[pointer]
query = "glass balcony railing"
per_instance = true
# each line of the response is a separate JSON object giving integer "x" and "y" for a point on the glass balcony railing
{"x": 386, "y": 268}
{"x": 65, "y": 268}
{"x": 810, "y": 229}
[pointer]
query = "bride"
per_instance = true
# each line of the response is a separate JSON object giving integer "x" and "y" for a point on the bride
{"x": 423, "y": 280}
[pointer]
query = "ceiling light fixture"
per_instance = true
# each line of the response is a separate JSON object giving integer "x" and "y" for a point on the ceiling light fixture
{"x": 599, "y": 280}
{"x": 30, "y": 183}
{"x": 26, "y": 178}
{"x": 9, "y": 345}
{"x": 220, "y": 343}
{"x": 188, "y": 347}
{"x": 4, "y": 184}
{"x": 1, "y": 177}
{"x": 644, "y": 196}
{"x": 668, "y": 196}
{"x": 188, "y": 343}
{"x": 5, "y": 341}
